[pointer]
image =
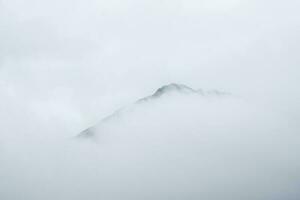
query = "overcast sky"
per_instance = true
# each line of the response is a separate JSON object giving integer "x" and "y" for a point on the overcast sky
{"x": 72, "y": 62}
{"x": 66, "y": 64}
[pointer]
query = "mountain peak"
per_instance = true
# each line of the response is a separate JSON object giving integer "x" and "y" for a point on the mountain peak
{"x": 173, "y": 87}
{"x": 168, "y": 89}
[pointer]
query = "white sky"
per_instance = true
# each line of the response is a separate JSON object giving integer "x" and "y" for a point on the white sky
{"x": 65, "y": 64}
{"x": 76, "y": 61}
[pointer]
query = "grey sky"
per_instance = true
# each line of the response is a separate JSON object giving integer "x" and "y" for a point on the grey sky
{"x": 90, "y": 57}
{"x": 66, "y": 64}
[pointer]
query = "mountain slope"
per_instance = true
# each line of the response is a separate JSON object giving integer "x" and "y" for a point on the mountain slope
{"x": 173, "y": 89}
{"x": 181, "y": 143}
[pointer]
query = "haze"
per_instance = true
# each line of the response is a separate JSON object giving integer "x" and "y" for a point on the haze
{"x": 65, "y": 65}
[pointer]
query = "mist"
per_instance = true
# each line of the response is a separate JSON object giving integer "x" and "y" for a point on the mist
{"x": 65, "y": 65}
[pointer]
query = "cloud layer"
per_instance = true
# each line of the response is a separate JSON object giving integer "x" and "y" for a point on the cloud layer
{"x": 66, "y": 64}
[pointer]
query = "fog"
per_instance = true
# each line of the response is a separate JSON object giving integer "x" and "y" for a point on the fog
{"x": 65, "y": 65}
{"x": 177, "y": 146}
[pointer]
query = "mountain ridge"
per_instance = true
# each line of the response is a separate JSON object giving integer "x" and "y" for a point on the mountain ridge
{"x": 165, "y": 90}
